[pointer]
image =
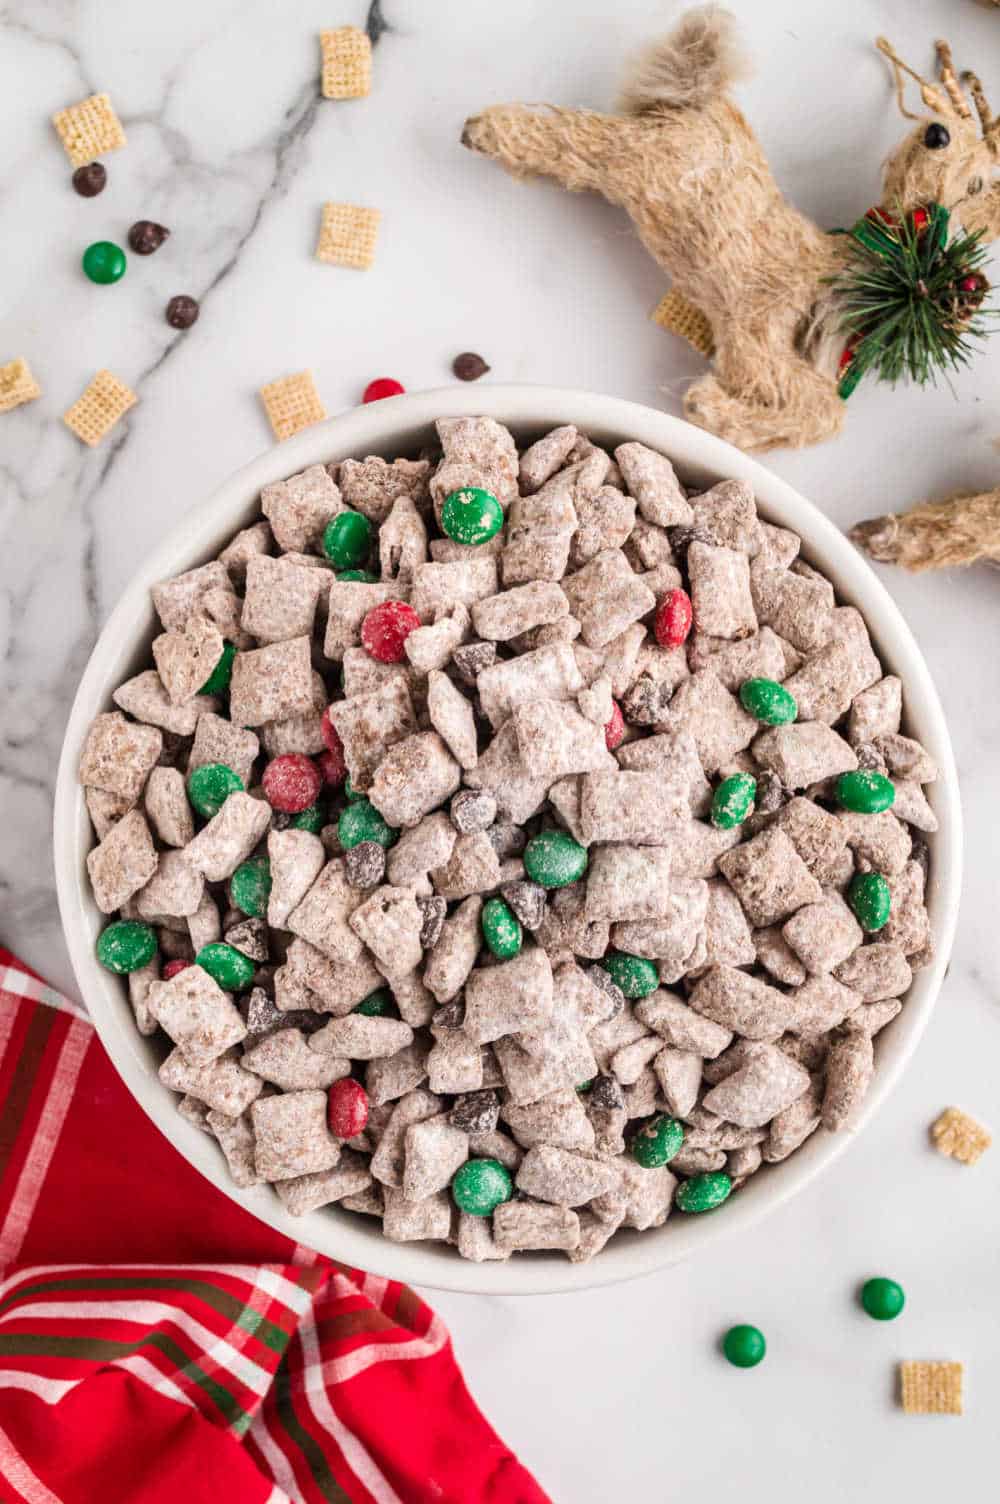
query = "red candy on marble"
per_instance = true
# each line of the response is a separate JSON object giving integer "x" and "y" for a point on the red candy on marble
{"x": 291, "y": 782}
{"x": 173, "y": 967}
{"x": 673, "y": 619}
{"x": 382, "y": 386}
{"x": 347, "y": 1107}
{"x": 385, "y": 630}
{"x": 614, "y": 729}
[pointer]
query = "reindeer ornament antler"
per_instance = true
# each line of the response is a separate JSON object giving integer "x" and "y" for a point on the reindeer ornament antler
{"x": 766, "y": 282}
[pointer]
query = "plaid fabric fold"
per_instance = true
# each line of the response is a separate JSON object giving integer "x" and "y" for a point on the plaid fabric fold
{"x": 247, "y": 1368}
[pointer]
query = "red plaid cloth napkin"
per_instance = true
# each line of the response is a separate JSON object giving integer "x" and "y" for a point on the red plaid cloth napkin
{"x": 248, "y": 1370}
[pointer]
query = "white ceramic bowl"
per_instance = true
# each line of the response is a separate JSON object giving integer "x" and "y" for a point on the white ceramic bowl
{"x": 401, "y": 425}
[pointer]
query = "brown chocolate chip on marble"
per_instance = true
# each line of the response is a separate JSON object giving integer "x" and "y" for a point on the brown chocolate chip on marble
{"x": 146, "y": 236}
{"x": 473, "y": 810}
{"x": 476, "y": 1112}
{"x": 606, "y": 1093}
{"x": 527, "y": 900}
{"x": 433, "y": 911}
{"x": 91, "y": 180}
{"x": 364, "y": 864}
{"x": 469, "y": 366}
{"x": 182, "y": 311}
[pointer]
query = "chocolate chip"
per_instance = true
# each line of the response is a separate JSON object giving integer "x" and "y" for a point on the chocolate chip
{"x": 527, "y": 900}
{"x": 434, "y": 911}
{"x": 260, "y": 1014}
{"x": 601, "y": 979}
{"x": 476, "y": 1112}
{"x": 606, "y": 1093}
{"x": 451, "y": 1016}
{"x": 473, "y": 658}
{"x": 174, "y": 748}
{"x": 770, "y": 795}
{"x": 469, "y": 366}
{"x": 91, "y": 180}
{"x": 506, "y": 839}
{"x": 182, "y": 311}
{"x": 870, "y": 758}
{"x": 681, "y": 538}
{"x": 146, "y": 236}
{"x": 646, "y": 702}
{"x": 364, "y": 864}
{"x": 249, "y": 937}
{"x": 473, "y": 810}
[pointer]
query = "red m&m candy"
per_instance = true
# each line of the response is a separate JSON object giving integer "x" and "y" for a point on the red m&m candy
{"x": 614, "y": 729}
{"x": 173, "y": 967}
{"x": 385, "y": 630}
{"x": 291, "y": 782}
{"x": 347, "y": 1107}
{"x": 673, "y": 619}
{"x": 382, "y": 386}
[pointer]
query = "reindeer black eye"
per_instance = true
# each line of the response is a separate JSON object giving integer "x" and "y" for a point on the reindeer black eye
{"x": 937, "y": 136}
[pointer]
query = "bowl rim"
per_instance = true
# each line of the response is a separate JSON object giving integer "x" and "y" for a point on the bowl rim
{"x": 383, "y": 427}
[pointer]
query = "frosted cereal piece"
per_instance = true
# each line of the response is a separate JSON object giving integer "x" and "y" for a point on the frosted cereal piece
{"x": 222, "y": 1084}
{"x": 750, "y": 1096}
{"x": 554, "y": 740}
{"x": 650, "y": 478}
{"x": 402, "y": 541}
{"x": 619, "y": 658}
{"x": 906, "y": 759}
{"x": 473, "y": 867}
{"x": 139, "y": 983}
{"x": 455, "y": 953}
{"x": 224, "y": 610}
{"x": 880, "y": 842}
{"x": 770, "y": 878}
{"x": 519, "y": 1225}
{"x": 596, "y": 703}
{"x": 563, "y": 1177}
{"x": 679, "y": 1075}
{"x": 368, "y": 1203}
{"x": 498, "y": 618}
{"x": 280, "y": 599}
{"x": 359, "y": 1037}
{"x": 741, "y": 1002}
{"x": 791, "y": 1127}
{"x": 876, "y": 971}
{"x": 726, "y": 516}
{"x": 292, "y": 1135}
{"x": 648, "y": 1195}
{"x": 540, "y": 529}
{"x": 175, "y": 889}
{"x": 219, "y": 740}
{"x": 414, "y": 777}
{"x": 804, "y": 754}
{"x": 204, "y": 925}
{"x": 248, "y": 544}
{"x": 715, "y": 719}
{"x": 728, "y": 941}
{"x": 414, "y": 1001}
{"x": 447, "y": 551}
{"x": 389, "y": 923}
{"x": 472, "y": 810}
{"x": 184, "y": 659}
{"x": 671, "y": 754}
{"x": 145, "y": 698}
{"x": 670, "y": 937}
{"x": 194, "y": 1112}
{"x": 476, "y": 452}
{"x": 875, "y": 711}
{"x": 870, "y": 1018}
{"x": 720, "y": 591}
{"x": 911, "y": 805}
{"x": 363, "y": 675}
{"x": 323, "y": 916}
{"x": 628, "y": 882}
{"x": 528, "y": 1078}
{"x": 105, "y": 810}
{"x": 908, "y": 925}
{"x": 297, "y": 858}
{"x": 430, "y": 648}
{"x": 566, "y": 931}
{"x": 348, "y": 603}
{"x": 118, "y": 756}
{"x": 271, "y": 683}
{"x": 433, "y": 1151}
{"x": 181, "y": 597}
{"x": 564, "y": 797}
{"x": 823, "y": 934}
{"x": 420, "y": 850}
{"x": 300, "y": 507}
{"x": 123, "y": 862}
{"x": 543, "y": 458}
{"x": 799, "y": 608}
{"x": 387, "y": 1161}
{"x": 691, "y": 1161}
{"x": 496, "y": 1145}
{"x": 505, "y": 999}
{"x": 455, "y": 1064}
{"x": 476, "y": 1241}
{"x": 615, "y": 1034}
{"x": 850, "y": 1066}
{"x": 818, "y": 836}
{"x": 777, "y": 957}
{"x": 416, "y": 1221}
{"x": 606, "y": 597}
{"x": 439, "y": 588}
{"x": 648, "y": 547}
{"x": 548, "y": 673}
{"x": 229, "y": 837}
{"x": 826, "y": 684}
{"x": 167, "y": 807}
{"x": 350, "y": 1176}
{"x": 339, "y": 986}
{"x": 198, "y": 1016}
{"x": 629, "y": 1063}
{"x": 779, "y": 547}
{"x": 759, "y": 656}
{"x": 368, "y": 725}
{"x": 638, "y": 808}
{"x": 604, "y": 520}
{"x": 285, "y": 1059}
{"x": 742, "y": 1163}
{"x": 820, "y": 1004}
{"x": 373, "y": 484}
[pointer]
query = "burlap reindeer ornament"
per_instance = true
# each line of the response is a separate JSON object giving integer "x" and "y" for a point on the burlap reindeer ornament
{"x": 774, "y": 294}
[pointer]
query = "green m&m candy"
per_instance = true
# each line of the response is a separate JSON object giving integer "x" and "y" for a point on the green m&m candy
{"x": 471, "y": 515}
{"x": 865, "y": 792}
{"x": 480, "y": 1186}
{"x": 250, "y": 886}
{"x": 228, "y": 966}
{"x": 636, "y": 976}
{"x": 732, "y": 802}
{"x": 744, "y": 1346}
{"x": 347, "y": 540}
{"x": 554, "y": 859}
{"x": 703, "y": 1193}
{"x": 882, "y": 1298}
{"x": 501, "y": 929}
{"x": 312, "y": 818}
{"x": 361, "y": 821}
{"x": 218, "y": 679}
{"x": 127, "y": 945}
{"x": 210, "y": 786}
{"x": 871, "y": 900}
{"x": 767, "y": 700}
{"x": 658, "y": 1142}
{"x": 104, "y": 262}
{"x": 377, "y": 1004}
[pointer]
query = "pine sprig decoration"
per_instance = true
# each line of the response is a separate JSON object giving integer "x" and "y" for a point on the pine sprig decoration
{"x": 911, "y": 300}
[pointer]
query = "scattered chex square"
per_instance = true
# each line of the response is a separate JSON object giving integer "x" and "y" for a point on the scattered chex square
{"x": 959, "y": 1136}
{"x": 89, "y": 129}
{"x": 98, "y": 409}
{"x": 347, "y": 235}
{"x": 17, "y": 384}
{"x": 292, "y": 403}
{"x": 931, "y": 1388}
{"x": 347, "y": 63}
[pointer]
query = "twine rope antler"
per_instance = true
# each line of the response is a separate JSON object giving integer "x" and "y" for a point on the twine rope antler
{"x": 986, "y": 120}
{"x": 949, "y": 79}
{"x": 928, "y": 93}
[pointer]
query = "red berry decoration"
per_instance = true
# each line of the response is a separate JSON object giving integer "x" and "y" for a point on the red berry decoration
{"x": 919, "y": 219}
{"x": 382, "y": 386}
{"x": 614, "y": 729}
{"x": 332, "y": 768}
{"x": 673, "y": 619}
{"x": 291, "y": 783}
{"x": 173, "y": 967}
{"x": 347, "y": 1107}
{"x": 385, "y": 630}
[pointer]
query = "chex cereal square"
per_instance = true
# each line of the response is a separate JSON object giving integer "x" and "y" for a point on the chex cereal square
{"x": 89, "y": 129}
{"x": 347, "y": 235}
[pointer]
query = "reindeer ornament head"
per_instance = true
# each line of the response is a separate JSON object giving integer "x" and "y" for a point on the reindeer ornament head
{"x": 762, "y": 280}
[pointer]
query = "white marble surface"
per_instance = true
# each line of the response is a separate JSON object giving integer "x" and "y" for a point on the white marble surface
{"x": 619, "y": 1395}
